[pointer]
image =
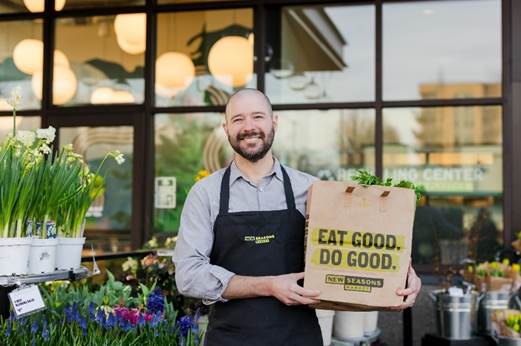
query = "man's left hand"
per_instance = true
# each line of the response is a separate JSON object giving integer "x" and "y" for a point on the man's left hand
{"x": 414, "y": 285}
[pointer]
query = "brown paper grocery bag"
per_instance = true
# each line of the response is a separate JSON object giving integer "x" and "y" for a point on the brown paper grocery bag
{"x": 358, "y": 244}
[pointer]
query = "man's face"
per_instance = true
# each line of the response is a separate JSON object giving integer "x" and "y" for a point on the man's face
{"x": 249, "y": 126}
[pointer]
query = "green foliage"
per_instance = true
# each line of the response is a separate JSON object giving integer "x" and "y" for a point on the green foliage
{"x": 363, "y": 177}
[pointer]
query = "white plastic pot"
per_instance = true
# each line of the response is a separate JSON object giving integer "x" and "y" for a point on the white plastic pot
{"x": 325, "y": 319}
{"x": 68, "y": 253}
{"x": 370, "y": 322}
{"x": 348, "y": 325}
{"x": 14, "y": 256}
{"x": 43, "y": 256}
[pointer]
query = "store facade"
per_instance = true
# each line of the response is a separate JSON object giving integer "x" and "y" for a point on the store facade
{"x": 428, "y": 91}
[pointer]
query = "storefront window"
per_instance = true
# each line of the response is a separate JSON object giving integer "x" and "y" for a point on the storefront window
{"x": 321, "y": 54}
{"x": 430, "y": 43}
{"x": 20, "y": 6}
{"x": 21, "y": 59}
{"x": 22, "y": 123}
{"x": 68, "y": 4}
{"x": 456, "y": 153}
{"x": 328, "y": 144}
{"x": 105, "y": 66}
{"x": 203, "y": 57}
{"x": 109, "y": 217}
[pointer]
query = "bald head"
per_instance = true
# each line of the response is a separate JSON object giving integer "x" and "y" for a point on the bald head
{"x": 253, "y": 99}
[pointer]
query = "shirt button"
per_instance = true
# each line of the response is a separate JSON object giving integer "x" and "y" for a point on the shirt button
{"x": 261, "y": 189}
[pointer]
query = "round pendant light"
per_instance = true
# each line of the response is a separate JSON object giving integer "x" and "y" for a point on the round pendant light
{"x": 174, "y": 71}
{"x": 230, "y": 61}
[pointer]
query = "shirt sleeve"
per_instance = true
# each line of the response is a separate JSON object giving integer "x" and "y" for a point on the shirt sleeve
{"x": 194, "y": 275}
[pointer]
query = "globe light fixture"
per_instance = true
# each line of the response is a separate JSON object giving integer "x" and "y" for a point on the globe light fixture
{"x": 230, "y": 61}
{"x": 64, "y": 85}
{"x": 174, "y": 71}
{"x": 28, "y": 56}
{"x": 38, "y": 5}
{"x": 131, "y": 32}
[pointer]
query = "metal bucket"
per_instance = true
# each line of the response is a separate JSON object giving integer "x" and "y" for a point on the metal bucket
{"x": 455, "y": 316}
{"x": 492, "y": 301}
{"x": 504, "y": 341}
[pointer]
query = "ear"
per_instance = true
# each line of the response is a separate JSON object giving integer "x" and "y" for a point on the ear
{"x": 275, "y": 120}
{"x": 225, "y": 128}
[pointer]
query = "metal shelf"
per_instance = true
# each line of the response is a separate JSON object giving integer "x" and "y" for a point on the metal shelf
{"x": 76, "y": 274}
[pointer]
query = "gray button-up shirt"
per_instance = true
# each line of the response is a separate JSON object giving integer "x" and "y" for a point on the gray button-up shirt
{"x": 194, "y": 275}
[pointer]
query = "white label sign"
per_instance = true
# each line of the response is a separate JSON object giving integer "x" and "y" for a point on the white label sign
{"x": 26, "y": 300}
{"x": 165, "y": 191}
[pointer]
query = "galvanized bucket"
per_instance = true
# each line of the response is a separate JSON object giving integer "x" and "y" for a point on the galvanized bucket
{"x": 455, "y": 316}
{"x": 492, "y": 301}
{"x": 504, "y": 341}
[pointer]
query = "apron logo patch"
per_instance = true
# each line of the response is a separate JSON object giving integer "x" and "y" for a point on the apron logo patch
{"x": 265, "y": 239}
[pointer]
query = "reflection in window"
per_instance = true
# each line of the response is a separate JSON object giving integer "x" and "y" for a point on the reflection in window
{"x": 431, "y": 51}
{"x": 328, "y": 144}
{"x": 100, "y": 3}
{"x": 110, "y": 215}
{"x": 331, "y": 145}
{"x": 203, "y": 57}
{"x": 106, "y": 65}
{"x": 21, "y": 58}
{"x": 187, "y": 148}
{"x": 456, "y": 153}
{"x": 16, "y": 6}
{"x": 321, "y": 54}
{"x": 22, "y": 123}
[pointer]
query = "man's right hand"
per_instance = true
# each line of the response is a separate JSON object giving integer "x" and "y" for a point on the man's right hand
{"x": 286, "y": 289}
{"x": 283, "y": 287}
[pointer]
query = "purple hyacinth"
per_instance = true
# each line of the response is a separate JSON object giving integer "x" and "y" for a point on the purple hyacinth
{"x": 185, "y": 323}
{"x": 34, "y": 327}
{"x": 156, "y": 302}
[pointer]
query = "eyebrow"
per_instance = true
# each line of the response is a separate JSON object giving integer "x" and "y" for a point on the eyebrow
{"x": 253, "y": 113}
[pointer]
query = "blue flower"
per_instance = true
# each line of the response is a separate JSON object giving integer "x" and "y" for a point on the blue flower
{"x": 91, "y": 311}
{"x": 76, "y": 313}
{"x": 83, "y": 325}
{"x": 156, "y": 302}
{"x": 34, "y": 327}
{"x": 45, "y": 331}
{"x": 141, "y": 320}
{"x": 9, "y": 327}
{"x": 68, "y": 314}
{"x": 45, "y": 334}
{"x": 100, "y": 317}
{"x": 111, "y": 321}
{"x": 185, "y": 323}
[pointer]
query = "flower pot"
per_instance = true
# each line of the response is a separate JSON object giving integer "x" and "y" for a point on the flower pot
{"x": 68, "y": 253}
{"x": 325, "y": 319}
{"x": 43, "y": 256}
{"x": 14, "y": 256}
{"x": 348, "y": 325}
{"x": 370, "y": 322}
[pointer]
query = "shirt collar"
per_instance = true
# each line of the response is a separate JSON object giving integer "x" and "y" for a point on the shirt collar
{"x": 235, "y": 172}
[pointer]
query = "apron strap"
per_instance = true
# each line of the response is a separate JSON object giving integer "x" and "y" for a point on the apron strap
{"x": 224, "y": 203}
{"x": 288, "y": 189}
{"x": 225, "y": 192}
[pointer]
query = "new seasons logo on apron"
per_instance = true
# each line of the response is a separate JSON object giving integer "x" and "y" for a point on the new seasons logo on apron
{"x": 265, "y": 239}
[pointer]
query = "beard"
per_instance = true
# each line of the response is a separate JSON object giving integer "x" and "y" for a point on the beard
{"x": 252, "y": 154}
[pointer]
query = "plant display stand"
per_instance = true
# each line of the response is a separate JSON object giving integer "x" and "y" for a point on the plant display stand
{"x": 9, "y": 283}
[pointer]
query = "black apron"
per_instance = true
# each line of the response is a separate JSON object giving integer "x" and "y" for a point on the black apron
{"x": 260, "y": 243}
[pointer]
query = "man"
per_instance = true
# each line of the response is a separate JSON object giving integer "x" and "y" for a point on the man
{"x": 217, "y": 256}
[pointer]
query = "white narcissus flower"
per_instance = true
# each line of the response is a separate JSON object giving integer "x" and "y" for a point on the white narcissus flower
{"x": 26, "y": 137}
{"x": 45, "y": 149}
{"x": 16, "y": 97}
{"x": 118, "y": 156}
{"x": 47, "y": 134}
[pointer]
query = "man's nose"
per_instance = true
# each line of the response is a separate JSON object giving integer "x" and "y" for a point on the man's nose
{"x": 249, "y": 124}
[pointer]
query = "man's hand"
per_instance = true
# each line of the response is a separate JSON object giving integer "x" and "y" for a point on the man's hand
{"x": 286, "y": 289}
{"x": 414, "y": 285}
